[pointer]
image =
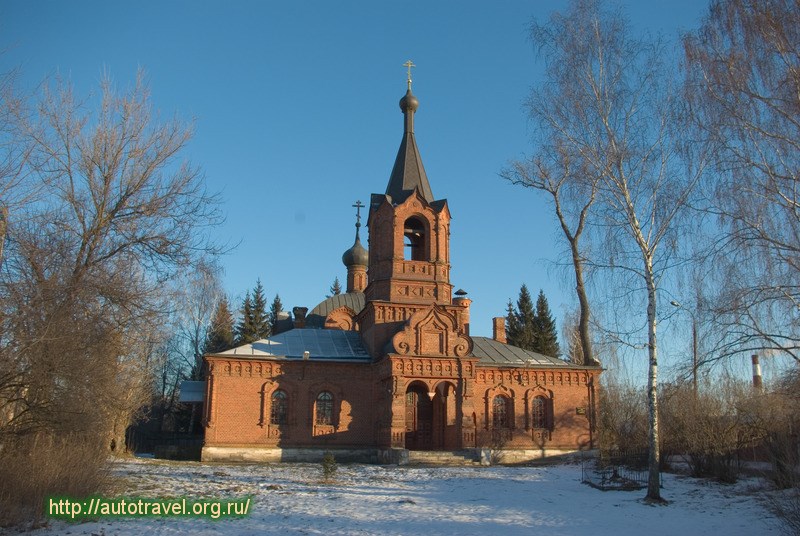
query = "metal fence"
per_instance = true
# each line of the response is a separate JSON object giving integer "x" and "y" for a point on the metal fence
{"x": 616, "y": 469}
{"x": 165, "y": 445}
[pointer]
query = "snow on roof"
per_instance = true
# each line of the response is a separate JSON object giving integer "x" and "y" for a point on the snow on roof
{"x": 495, "y": 353}
{"x": 330, "y": 344}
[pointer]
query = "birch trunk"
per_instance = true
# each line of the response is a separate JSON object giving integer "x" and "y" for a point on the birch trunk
{"x": 654, "y": 459}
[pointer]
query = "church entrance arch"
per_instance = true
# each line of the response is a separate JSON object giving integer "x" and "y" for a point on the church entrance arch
{"x": 431, "y": 417}
{"x": 419, "y": 417}
{"x": 445, "y": 427}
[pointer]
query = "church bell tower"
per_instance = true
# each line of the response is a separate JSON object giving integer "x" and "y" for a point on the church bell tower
{"x": 409, "y": 251}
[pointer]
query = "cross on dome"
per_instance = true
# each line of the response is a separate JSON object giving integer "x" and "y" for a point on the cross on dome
{"x": 409, "y": 64}
{"x": 358, "y": 206}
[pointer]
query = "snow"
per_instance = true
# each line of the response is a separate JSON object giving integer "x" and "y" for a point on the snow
{"x": 392, "y": 500}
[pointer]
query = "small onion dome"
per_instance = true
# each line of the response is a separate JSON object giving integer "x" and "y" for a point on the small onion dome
{"x": 356, "y": 255}
{"x": 409, "y": 102}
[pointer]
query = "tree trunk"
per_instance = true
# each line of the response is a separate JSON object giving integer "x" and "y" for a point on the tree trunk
{"x": 654, "y": 460}
{"x": 583, "y": 321}
{"x": 117, "y": 444}
{"x": 3, "y": 227}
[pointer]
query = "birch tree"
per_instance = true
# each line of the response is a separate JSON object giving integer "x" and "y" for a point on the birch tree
{"x": 198, "y": 301}
{"x": 618, "y": 125}
{"x": 743, "y": 82}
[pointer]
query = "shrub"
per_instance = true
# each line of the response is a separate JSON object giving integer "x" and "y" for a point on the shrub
{"x": 329, "y": 467}
{"x": 622, "y": 417}
{"x": 707, "y": 428}
{"x": 40, "y": 466}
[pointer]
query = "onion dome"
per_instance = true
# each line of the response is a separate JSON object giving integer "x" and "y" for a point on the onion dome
{"x": 356, "y": 255}
{"x": 409, "y": 102}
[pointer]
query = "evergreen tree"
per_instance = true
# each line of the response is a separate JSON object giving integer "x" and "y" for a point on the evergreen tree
{"x": 274, "y": 309}
{"x": 512, "y": 327}
{"x": 219, "y": 336}
{"x": 336, "y": 288}
{"x": 546, "y": 342}
{"x": 261, "y": 324}
{"x": 245, "y": 331}
{"x": 522, "y": 321}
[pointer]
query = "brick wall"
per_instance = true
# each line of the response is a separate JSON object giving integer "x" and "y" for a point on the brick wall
{"x": 241, "y": 392}
{"x": 363, "y": 413}
{"x": 568, "y": 396}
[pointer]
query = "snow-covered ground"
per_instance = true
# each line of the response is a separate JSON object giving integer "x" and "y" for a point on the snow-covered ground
{"x": 370, "y": 499}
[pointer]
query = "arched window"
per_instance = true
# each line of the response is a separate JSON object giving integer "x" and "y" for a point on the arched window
{"x": 539, "y": 412}
{"x": 279, "y": 412}
{"x": 324, "y": 408}
{"x": 501, "y": 412}
{"x": 414, "y": 245}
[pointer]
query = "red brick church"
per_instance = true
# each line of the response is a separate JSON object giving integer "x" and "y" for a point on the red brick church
{"x": 389, "y": 367}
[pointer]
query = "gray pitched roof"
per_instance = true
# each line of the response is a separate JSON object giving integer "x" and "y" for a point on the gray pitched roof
{"x": 408, "y": 172}
{"x": 322, "y": 345}
{"x": 353, "y": 300}
{"x": 494, "y": 353}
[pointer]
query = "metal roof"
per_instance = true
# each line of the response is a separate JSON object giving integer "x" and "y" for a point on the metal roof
{"x": 321, "y": 344}
{"x": 353, "y": 300}
{"x": 492, "y": 352}
{"x": 408, "y": 172}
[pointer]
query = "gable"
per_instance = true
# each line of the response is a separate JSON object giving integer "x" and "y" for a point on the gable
{"x": 432, "y": 332}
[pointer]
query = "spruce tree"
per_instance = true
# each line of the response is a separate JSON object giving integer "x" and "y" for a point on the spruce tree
{"x": 512, "y": 328}
{"x": 261, "y": 324}
{"x": 336, "y": 288}
{"x": 546, "y": 342}
{"x": 274, "y": 309}
{"x": 523, "y": 331}
{"x": 219, "y": 336}
{"x": 245, "y": 332}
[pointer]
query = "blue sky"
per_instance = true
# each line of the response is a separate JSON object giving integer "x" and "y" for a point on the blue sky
{"x": 296, "y": 113}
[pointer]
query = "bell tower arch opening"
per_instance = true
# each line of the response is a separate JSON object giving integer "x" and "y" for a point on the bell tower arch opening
{"x": 415, "y": 240}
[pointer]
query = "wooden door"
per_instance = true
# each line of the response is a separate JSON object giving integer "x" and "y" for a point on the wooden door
{"x": 419, "y": 421}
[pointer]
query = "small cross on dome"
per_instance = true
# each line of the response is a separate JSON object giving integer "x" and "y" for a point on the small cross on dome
{"x": 409, "y": 64}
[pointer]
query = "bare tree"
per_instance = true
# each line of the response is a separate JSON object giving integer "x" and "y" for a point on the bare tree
{"x": 15, "y": 190}
{"x": 560, "y": 180}
{"x": 82, "y": 288}
{"x": 618, "y": 121}
{"x": 198, "y": 301}
{"x": 571, "y": 335}
{"x": 558, "y": 167}
{"x": 743, "y": 81}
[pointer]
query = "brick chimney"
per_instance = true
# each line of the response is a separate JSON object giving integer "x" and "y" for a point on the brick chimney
{"x": 499, "y": 329}
{"x": 757, "y": 383}
{"x": 299, "y": 316}
{"x": 463, "y": 301}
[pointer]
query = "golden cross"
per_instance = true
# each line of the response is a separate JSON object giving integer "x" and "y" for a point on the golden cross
{"x": 409, "y": 64}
